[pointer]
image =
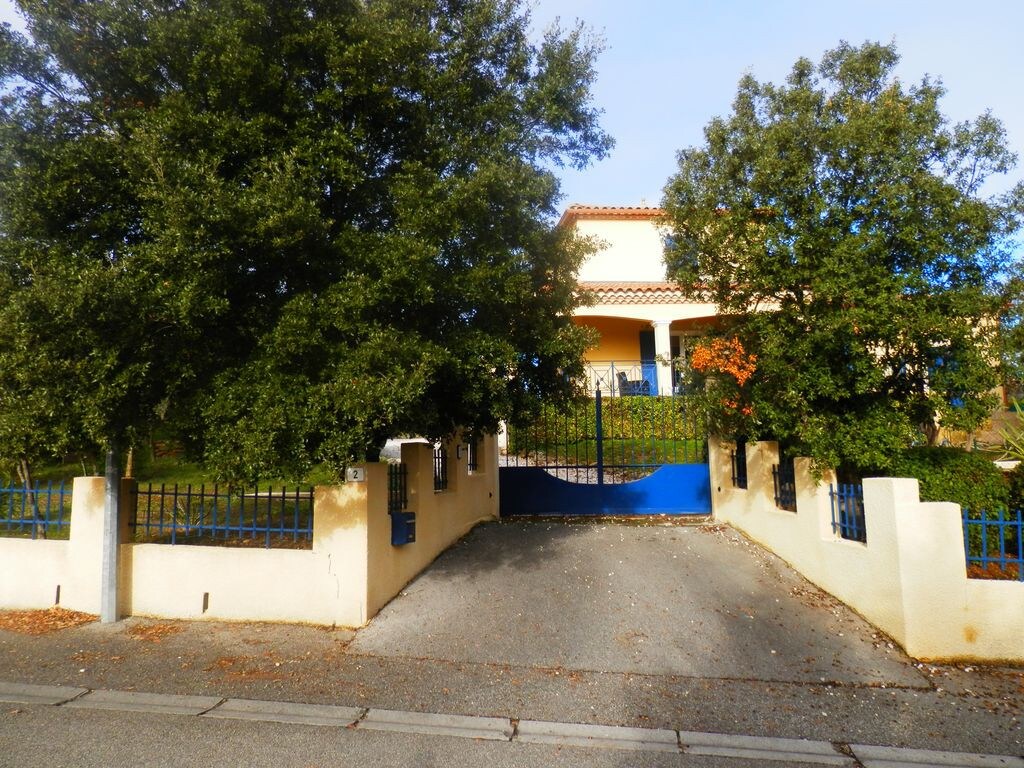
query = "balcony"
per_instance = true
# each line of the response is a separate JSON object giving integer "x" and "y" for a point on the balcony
{"x": 616, "y": 378}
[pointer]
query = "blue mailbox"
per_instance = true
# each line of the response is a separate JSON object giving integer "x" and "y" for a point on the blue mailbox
{"x": 403, "y": 528}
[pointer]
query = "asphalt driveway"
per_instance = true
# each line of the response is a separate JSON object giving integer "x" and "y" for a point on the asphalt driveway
{"x": 694, "y": 601}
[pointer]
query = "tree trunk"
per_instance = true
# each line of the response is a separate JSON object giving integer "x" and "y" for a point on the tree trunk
{"x": 25, "y": 476}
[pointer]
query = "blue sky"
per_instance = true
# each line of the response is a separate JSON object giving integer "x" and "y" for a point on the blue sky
{"x": 671, "y": 65}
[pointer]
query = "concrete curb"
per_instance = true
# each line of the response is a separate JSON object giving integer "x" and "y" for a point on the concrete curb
{"x": 286, "y": 712}
{"x": 891, "y": 757}
{"x": 135, "y": 701}
{"x": 504, "y": 729}
{"x": 607, "y": 736}
{"x": 463, "y": 726}
{"x": 762, "y": 748}
{"x": 26, "y": 693}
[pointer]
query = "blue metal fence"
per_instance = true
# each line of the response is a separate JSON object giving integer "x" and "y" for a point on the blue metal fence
{"x": 994, "y": 542}
{"x": 188, "y": 515}
{"x": 40, "y": 511}
{"x": 848, "y": 511}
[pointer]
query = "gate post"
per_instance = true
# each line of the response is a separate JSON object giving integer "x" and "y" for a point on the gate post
{"x": 600, "y": 436}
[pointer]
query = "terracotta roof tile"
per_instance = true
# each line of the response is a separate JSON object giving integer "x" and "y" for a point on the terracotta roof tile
{"x": 577, "y": 211}
{"x": 628, "y": 285}
{"x": 633, "y": 292}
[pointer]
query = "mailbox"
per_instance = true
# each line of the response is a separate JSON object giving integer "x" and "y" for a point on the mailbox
{"x": 403, "y": 528}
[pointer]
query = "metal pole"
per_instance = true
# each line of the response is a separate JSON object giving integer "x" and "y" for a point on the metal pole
{"x": 600, "y": 438}
{"x": 111, "y": 539}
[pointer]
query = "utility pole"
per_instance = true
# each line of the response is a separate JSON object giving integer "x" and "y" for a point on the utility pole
{"x": 111, "y": 538}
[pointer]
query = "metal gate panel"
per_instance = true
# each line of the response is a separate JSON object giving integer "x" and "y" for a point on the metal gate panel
{"x": 673, "y": 489}
{"x": 616, "y": 455}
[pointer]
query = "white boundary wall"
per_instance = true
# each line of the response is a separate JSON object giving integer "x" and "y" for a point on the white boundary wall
{"x": 351, "y": 572}
{"x": 909, "y": 580}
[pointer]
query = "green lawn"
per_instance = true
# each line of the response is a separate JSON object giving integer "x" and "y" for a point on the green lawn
{"x": 168, "y": 470}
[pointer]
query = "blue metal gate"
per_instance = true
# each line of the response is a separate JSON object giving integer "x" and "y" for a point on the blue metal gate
{"x": 613, "y": 455}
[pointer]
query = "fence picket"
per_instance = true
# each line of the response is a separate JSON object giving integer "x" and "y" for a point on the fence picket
{"x": 206, "y": 516}
{"x": 847, "y": 503}
{"x": 610, "y": 438}
{"x": 1005, "y": 553}
{"x": 35, "y": 510}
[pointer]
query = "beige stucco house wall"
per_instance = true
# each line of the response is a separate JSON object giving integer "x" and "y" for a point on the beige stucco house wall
{"x": 642, "y": 320}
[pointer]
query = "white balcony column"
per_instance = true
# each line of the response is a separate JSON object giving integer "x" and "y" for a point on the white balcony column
{"x": 663, "y": 349}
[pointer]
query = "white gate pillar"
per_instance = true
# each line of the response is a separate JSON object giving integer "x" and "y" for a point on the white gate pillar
{"x": 663, "y": 349}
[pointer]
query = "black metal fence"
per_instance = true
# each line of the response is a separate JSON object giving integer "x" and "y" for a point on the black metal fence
{"x": 610, "y": 439}
{"x": 184, "y": 514}
{"x": 440, "y": 468}
{"x": 39, "y": 511}
{"x": 848, "y": 511}
{"x": 473, "y": 454}
{"x": 398, "y": 492}
{"x": 784, "y": 480}
{"x": 739, "y": 464}
{"x": 403, "y": 522}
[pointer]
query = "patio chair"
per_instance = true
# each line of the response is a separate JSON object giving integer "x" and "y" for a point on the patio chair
{"x": 628, "y": 387}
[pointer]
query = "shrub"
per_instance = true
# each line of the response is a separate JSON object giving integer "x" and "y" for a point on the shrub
{"x": 978, "y": 486}
{"x": 1016, "y": 482}
{"x": 952, "y": 474}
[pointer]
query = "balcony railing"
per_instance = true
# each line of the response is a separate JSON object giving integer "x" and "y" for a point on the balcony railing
{"x": 616, "y": 378}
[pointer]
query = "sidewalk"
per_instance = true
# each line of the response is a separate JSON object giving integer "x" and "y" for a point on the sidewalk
{"x": 662, "y": 628}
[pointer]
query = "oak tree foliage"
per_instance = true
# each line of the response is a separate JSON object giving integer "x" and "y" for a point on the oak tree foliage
{"x": 288, "y": 230}
{"x": 840, "y": 222}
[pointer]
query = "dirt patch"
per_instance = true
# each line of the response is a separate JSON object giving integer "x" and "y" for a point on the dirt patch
{"x": 248, "y": 668}
{"x": 43, "y": 622}
{"x": 713, "y": 528}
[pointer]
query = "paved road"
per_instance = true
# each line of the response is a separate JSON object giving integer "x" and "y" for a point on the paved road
{"x": 652, "y": 626}
{"x": 54, "y": 738}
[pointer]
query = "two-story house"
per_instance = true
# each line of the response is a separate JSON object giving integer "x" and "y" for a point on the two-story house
{"x": 643, "y": 321}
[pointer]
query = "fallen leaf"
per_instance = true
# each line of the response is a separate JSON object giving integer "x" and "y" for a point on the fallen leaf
{"x": 152, "y": 633}
{"x": 42, "y": 622}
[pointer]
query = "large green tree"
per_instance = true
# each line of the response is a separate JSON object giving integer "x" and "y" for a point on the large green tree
{"x": 840, "y": 223}
{"x": 288, "y": 229}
